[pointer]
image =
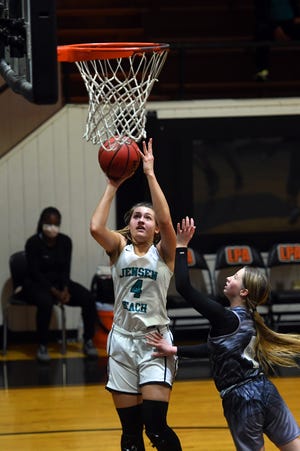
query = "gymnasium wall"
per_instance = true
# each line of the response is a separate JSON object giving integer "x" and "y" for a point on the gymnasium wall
{"x": 235, "y": 169}
{"x": 53, "y": 166}
{"x": 18, "y": 117}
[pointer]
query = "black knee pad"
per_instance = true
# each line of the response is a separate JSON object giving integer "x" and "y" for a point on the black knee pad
{"x": 132, "y": 428}
{"x": 132, "y": 443}
{"x": 157, "y": 441}
{"x": 167, "y": 440}
{"x": 161, "y": 435}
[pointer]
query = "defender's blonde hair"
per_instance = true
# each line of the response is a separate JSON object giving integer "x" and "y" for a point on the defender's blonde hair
{"x": 272, "y": 348}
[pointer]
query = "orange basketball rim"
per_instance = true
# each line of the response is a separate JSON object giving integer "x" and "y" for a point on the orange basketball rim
{"x": 118, "y": 78}
{"x": 108, "y": 50}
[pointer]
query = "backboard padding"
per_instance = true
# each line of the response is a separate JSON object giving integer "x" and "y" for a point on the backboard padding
{"x": 28, "y": 49}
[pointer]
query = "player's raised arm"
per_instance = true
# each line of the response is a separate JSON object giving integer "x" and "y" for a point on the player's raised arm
{"x": 110, "y": 240}
{"x": 161, "y": 208}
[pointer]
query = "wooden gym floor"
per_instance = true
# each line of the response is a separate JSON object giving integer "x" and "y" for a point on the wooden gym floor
{"x": 63, "y": 405}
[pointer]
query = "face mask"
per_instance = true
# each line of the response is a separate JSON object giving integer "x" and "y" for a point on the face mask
{"x": 50, "y": 230}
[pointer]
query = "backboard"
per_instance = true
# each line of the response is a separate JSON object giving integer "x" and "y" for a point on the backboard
{"x": 28, "y": 49}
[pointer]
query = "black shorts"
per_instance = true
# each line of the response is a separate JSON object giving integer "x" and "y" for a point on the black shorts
{"x": 256, "y": 408}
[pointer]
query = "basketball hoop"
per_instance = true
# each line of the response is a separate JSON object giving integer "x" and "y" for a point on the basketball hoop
{"x": 119, "y": 78}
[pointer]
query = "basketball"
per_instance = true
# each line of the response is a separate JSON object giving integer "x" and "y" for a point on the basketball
{"x": 119, "y": 160}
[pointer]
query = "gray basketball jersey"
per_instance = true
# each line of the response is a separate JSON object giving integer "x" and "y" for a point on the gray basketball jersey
{"x": 140, "y": 286}
{"x": 233, "y": 357}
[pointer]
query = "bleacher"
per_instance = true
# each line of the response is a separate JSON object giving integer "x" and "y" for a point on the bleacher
{"x": 212, "y": 46}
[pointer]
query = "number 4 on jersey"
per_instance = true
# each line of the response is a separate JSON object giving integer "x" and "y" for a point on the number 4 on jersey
{"x": 137, "y": 288}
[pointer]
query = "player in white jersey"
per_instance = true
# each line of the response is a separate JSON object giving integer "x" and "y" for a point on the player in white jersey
{"x": 142, "y": 258}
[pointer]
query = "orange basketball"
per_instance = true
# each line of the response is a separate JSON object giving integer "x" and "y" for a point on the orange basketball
{"x": 119, "y": 160}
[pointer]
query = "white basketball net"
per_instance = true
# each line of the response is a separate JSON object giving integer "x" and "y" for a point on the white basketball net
{"x": 118, "y": 90}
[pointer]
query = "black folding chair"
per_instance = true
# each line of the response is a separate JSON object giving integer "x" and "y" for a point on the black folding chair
{"x": 19, "y": 270}
{"x": 284, "y": 272}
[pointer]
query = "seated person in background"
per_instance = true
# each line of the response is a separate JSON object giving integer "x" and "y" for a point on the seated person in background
{"x": 48, "y": 253}
{"x": 277, "y": 20}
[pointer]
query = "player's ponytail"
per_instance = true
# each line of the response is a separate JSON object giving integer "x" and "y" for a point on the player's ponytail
{"x": 272, "y": 348}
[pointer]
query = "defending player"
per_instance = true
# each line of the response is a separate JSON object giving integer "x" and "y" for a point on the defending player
{"x": 242, "y": 349}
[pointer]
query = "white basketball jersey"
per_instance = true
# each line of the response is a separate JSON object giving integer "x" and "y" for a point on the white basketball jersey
{"x": 140, "y": 286}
